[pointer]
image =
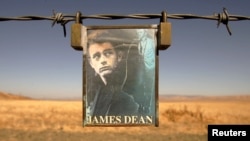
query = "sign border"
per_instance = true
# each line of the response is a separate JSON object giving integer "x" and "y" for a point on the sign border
{"x": 84, "y": 75}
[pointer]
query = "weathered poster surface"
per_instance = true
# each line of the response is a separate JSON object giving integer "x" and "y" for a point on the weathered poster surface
{"x": 120, "y": 77}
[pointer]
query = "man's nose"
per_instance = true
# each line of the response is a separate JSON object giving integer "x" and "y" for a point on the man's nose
{"x": 103, "y": 60}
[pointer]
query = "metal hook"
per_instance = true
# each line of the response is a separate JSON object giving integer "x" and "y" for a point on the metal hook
{"x": 164, "y": 16}
{"x": 78, "y": 17}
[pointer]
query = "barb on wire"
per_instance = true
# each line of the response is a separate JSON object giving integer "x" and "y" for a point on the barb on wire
{"x": 59, "y": 18}
{"x": 223, "y": 18}
{"x": 62, "y": 19}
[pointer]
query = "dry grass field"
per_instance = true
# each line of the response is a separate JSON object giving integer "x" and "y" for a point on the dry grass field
{"x": 180, "y": 120}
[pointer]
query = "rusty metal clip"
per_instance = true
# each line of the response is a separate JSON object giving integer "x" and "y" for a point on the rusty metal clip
{"x": 164, "y": 33}
{"x": 76, "y": 30}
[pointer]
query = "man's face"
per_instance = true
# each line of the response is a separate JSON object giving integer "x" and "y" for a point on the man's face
{"x": 103, "y": 58}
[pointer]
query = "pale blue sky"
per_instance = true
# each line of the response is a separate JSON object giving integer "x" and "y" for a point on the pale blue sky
{"x": 36, "y": 60}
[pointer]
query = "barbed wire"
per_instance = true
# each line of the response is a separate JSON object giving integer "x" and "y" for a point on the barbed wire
{"x": 62, "y": 19}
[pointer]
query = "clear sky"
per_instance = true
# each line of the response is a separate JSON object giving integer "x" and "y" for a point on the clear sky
{"x": 36, "y": 60}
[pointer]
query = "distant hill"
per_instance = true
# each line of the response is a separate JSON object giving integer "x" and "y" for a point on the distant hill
{"x": 203, "y": 98}
{"x": 8, "y": 96}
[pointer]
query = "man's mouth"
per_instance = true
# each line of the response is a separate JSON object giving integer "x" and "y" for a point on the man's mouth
{"x": 104, "y": 69}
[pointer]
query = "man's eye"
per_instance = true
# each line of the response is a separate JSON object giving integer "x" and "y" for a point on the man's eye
{"x": 96, "y": 56}
{"x": 108, "y": 53}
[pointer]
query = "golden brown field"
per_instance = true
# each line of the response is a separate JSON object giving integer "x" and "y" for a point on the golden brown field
{"x": 182, "y": 120}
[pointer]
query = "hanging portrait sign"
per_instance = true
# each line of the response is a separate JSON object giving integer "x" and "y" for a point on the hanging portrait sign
{"x": 119, "y": 76}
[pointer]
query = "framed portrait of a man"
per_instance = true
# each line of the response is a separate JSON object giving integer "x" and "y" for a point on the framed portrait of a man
{"x": 120, "y": 70}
